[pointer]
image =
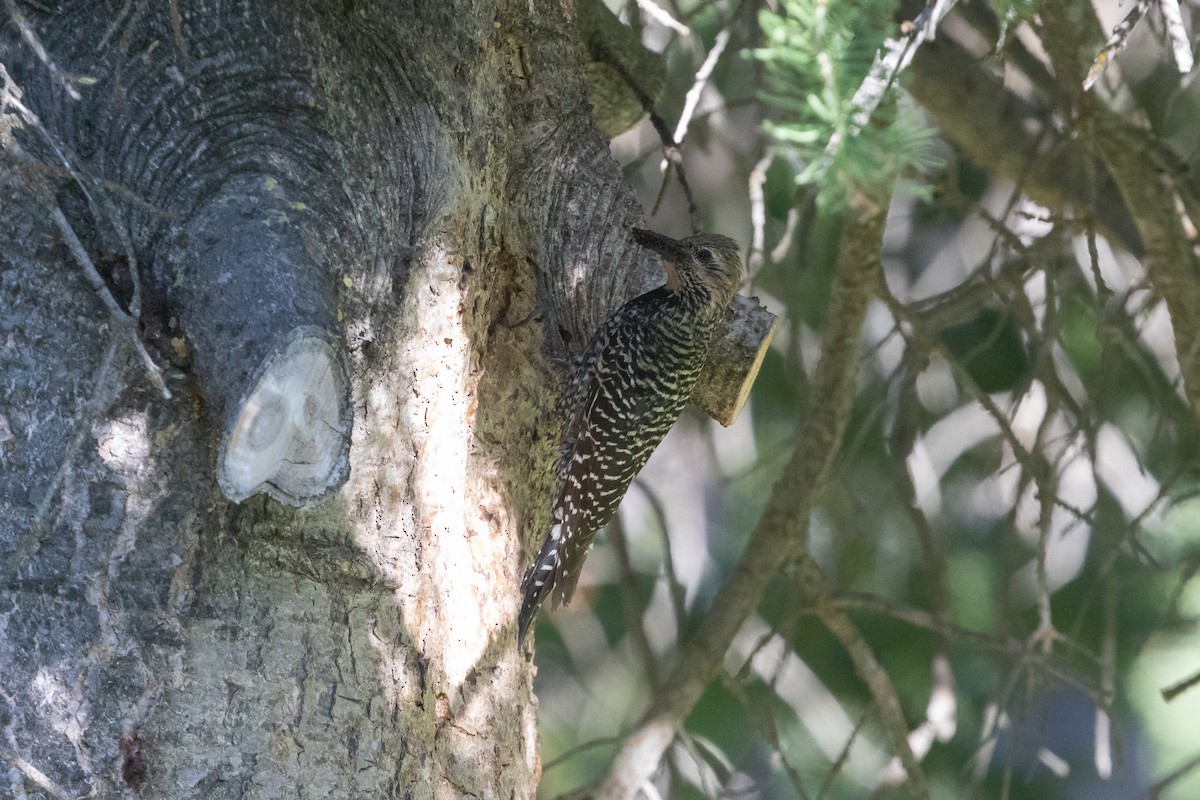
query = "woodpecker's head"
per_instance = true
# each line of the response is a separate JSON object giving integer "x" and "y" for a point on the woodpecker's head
{"x": 709, "y": 258}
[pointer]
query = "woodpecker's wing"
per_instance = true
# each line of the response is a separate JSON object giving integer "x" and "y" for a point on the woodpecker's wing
{"x": 555, "y": 571}
{"x": 578, "y": 395}
{"x": 594, "y": 474}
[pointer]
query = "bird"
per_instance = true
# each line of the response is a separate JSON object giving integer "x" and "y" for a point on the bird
{"x": 624, "y": 392}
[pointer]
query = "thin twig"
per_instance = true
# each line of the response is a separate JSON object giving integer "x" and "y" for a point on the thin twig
{"x": 870, "y": 671}
{"x": 767, "y": 729}
{"x": 1116, "y": 43}
{"x": 692, "y": 100}
{"x": 836, "y": 767}
{"x": 11, "y": 96}
{"x": 675, "y": 590}
{"x": 941, "y": 720}
{"x": 1003, "y": 645}
{"x": 779, "y": 252}
{"x": 89, "y": 269}
{"x": 903, "y": 440}
{"x": 629, "y": 600}
{"x": 1171, "y": 692}
{"x": 704, "y": 769}
{"x": 1181, "y": 46}
{"x": 1102, "y": 751}
{"x": 94, "y": 280}
{"x": 1156, "y": 791}
{"x": 758, "y": 218}
{"x": 577, "y": 749}
{"x": 929, "y": 342}
{"x": 892, "y": 59}
{"x": 662, "y": 17}
{"x": 35, "y": 44}
{"x": 1046, "y": 492}
{"x": 1150, "y": 185}
{"x": 672, "y": 142}
{"x": 671, "y": 152}
{"x": 44, "y": 781}
{"x": 100, "y": 203}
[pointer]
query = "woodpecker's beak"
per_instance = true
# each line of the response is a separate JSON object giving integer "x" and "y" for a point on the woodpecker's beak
{"x": 670, "y": 249}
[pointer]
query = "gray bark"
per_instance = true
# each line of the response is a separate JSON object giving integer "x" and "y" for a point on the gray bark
{"x": 158, "y": 640}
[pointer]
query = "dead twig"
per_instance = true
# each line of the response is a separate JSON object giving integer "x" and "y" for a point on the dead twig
{"x": 660, "y": 15}
{"x": 692, "y": 99}
{"x": 32, "y": 773}
{"x": 97, "y": 283}
{"x": 758, "y": 218}
{"x": 10, "y": 94}
{"x": 35, "y": 44}
{"x": 1181, "y": 47}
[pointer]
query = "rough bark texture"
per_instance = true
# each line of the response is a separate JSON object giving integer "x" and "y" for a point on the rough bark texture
{"x": 739, "y": 345}
{"x": 154, "y": 637}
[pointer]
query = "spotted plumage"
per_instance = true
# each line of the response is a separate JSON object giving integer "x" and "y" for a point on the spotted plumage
{"x": 625, "y": 392}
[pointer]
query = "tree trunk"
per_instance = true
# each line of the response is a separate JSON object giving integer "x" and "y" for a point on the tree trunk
{"x": 445, "y": 189}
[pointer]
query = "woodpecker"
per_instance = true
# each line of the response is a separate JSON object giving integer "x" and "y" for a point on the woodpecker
{"x": 625, "y": 392}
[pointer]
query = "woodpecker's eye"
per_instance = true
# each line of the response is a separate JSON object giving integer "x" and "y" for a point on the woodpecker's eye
{"x": 704, "y": 256}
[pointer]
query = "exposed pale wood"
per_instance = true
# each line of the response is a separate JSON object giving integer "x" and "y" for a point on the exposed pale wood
{"x": 289, "y": 438}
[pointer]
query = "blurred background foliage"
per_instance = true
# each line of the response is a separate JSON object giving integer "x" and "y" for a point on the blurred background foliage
{"x": 1012, "y": 522}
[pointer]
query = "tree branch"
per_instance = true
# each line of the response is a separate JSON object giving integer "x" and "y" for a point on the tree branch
{"x": 1148, "y": 179}
{"x": 1014, "y": 137}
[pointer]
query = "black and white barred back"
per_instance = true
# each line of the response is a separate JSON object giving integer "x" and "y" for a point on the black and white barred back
{"x": 626, "y": 390}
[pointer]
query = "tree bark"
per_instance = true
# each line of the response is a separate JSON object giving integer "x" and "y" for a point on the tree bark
{"x": 158, "y": 640}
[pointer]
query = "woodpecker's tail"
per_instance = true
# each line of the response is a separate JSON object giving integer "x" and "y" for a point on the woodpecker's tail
{"x": 539, "y": 581}
{"x": 555, "y": 571}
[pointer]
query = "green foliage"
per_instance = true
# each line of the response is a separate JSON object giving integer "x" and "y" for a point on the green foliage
{"x": 818, "y": 54}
